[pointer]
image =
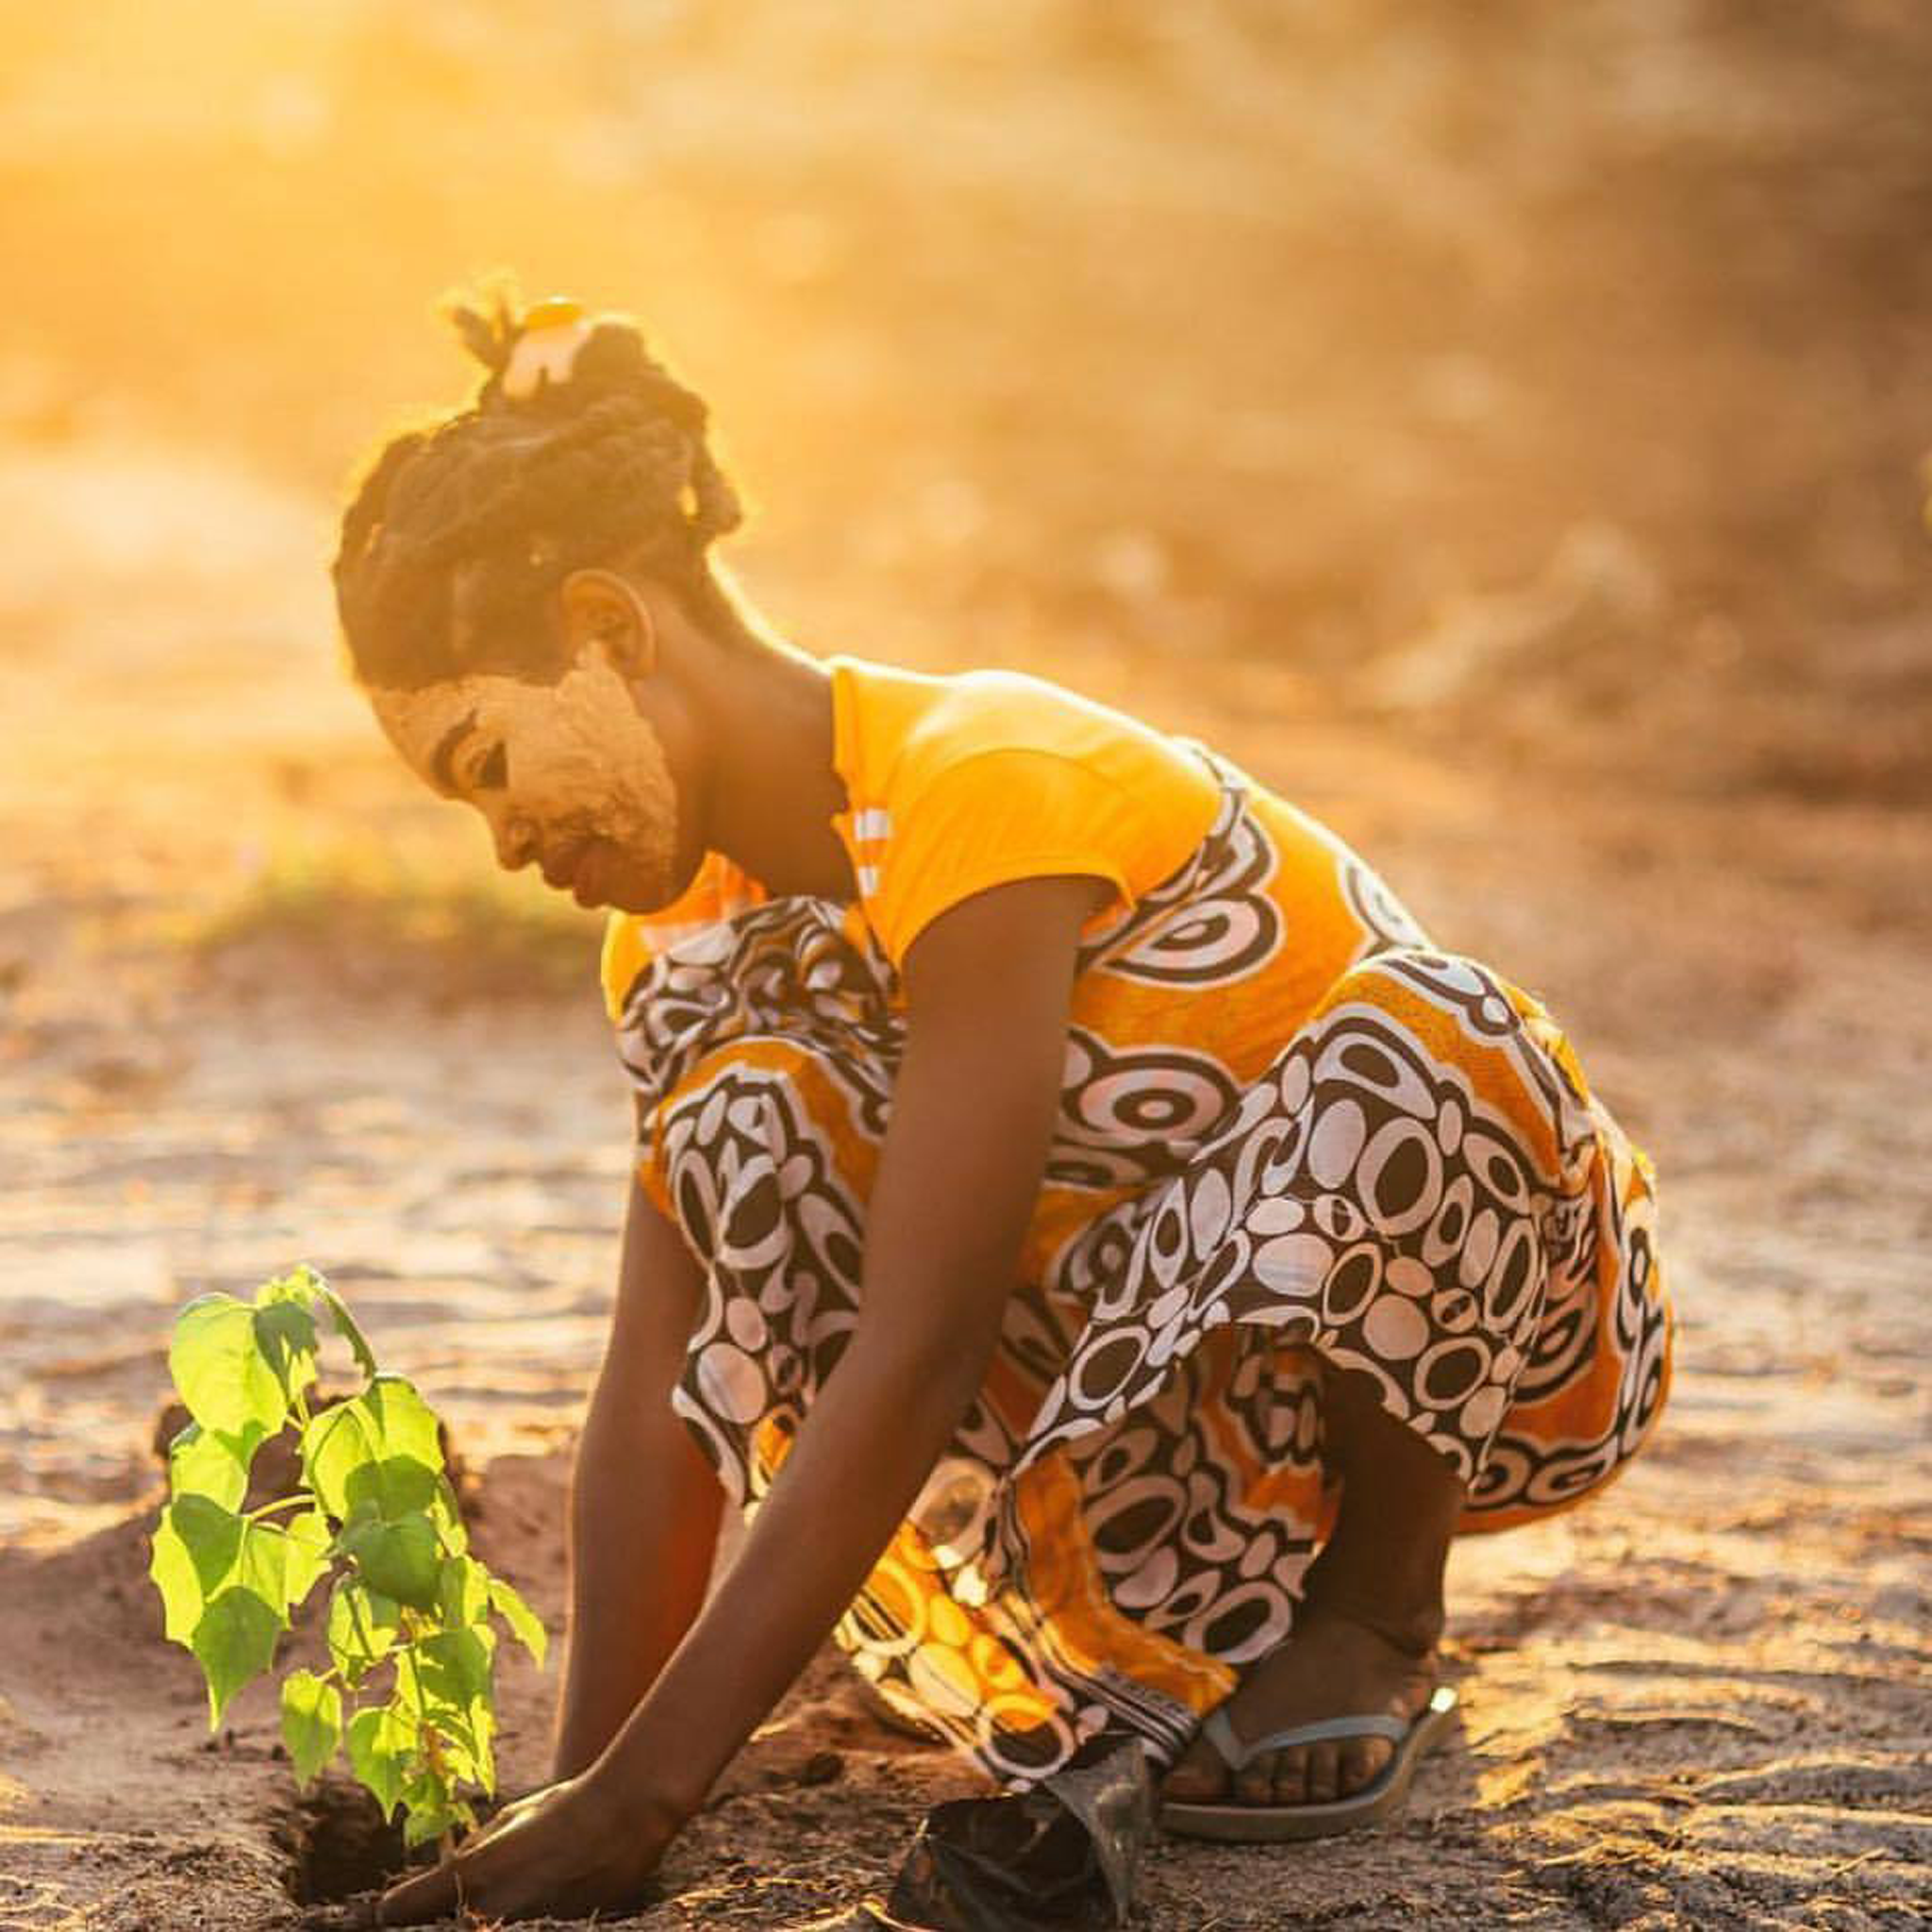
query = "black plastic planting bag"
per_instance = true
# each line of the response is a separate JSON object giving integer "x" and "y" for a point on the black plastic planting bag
{"x": 1065, "y": 1856}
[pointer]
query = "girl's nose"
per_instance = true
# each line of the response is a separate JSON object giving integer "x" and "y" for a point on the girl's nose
{"x": 516, "y": 843}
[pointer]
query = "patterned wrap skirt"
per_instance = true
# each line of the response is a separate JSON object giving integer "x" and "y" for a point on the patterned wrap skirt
{"x": 1412, "y": 1183}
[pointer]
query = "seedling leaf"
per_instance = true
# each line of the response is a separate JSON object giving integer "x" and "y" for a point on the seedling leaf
{"x": 405, "y": 1424}
{"x": 381, "y": 1739}
{"x": 334, "y": 1443}
{"x": 236, "y": 1642}
{"x": 212, "y": 1463}
{"x": 307, "y": 1554}
{"x": 525, "y": 1624}
{"x": 444, "y": 1683}
{"x": 218, "y": 1365}
{"x": 262, "y": 1567}
{"x": 347, "y": 1326}
{"x": 173, "y": 1571}
{"x": 455, "y": 1669}
{"x": 301, "y": 1284}
{"x": 200, "y": 1549}
{"x": 377, "y": 1455}
{"x": 448, "y": 1513}
{"x": 463, "y": 1597}
{"x": 363, "y": 1629}
{"x": 312, "y": 1721}
{"x": 284, "y": 1334}
{"x": 212, "y": 1537}
{"x": 393, "y": 1487}
{"x": 433, "y": 1809}
{"x": 428, "y": 1817}
{"x": 401, "y": 1560}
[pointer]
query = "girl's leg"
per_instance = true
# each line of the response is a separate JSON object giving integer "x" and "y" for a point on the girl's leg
{"x": 1365, "y": 1636}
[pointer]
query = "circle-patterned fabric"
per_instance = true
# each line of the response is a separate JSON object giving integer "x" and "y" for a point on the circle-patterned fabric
{"x": 1293, "y": 1137}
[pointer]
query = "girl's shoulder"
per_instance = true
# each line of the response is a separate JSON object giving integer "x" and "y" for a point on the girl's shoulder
{"x": 960, "y": 783}
{"x": 898, "y": 732}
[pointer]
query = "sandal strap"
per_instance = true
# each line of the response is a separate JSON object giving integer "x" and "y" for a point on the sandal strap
{"x": 1237, "y": 1756}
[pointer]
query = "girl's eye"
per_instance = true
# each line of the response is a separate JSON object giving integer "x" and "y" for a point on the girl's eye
{"x": 493, "y": 775}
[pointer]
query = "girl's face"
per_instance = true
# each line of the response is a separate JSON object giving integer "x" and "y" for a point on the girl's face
{"x": 570, "y": 774}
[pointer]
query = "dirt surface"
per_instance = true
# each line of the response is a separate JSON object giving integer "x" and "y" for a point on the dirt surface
{"x": 1609, "y": 642}
{"x": 1700, "y": 1701}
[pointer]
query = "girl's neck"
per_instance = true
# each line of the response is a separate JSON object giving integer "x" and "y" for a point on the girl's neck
{"x": 774, "y": 787}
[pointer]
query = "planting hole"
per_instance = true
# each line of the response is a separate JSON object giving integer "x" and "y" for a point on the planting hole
{"x": 340, "y": 1845}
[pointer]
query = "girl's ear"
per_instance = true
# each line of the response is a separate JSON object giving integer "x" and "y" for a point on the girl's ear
{"x": 603, "y": 613}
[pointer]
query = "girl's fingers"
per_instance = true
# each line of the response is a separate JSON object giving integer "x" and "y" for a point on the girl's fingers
{"x": 428, "y": 1895}
{"x": 467, "y": 1878}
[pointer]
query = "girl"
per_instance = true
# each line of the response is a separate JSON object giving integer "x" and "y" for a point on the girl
{"x": 1100, "y": 1241}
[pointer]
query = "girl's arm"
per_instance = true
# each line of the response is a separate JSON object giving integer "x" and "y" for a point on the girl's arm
{"x": 988, "y": 990}
{"x": 988, "y": 987}
{"x": 644, "y": 1504}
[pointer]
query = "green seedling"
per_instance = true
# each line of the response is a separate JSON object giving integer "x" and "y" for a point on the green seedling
{"x": 409, "y": 1686}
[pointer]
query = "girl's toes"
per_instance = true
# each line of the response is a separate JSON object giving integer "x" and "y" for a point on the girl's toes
{"x": 1291, "y": 1777}
{"x": 1361, "y": 1763}
{"x": 1324, "y": 1773}
{"x": 1254, "y": 1784}
{"x": 1197, "y": 1779}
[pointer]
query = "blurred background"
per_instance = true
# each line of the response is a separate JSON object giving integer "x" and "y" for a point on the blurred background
{"x": 1500, "y": 427}
{"x": 1558, "y": 375}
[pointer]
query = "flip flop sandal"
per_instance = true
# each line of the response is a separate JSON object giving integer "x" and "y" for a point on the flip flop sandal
{"x": 1262, "y": 1822}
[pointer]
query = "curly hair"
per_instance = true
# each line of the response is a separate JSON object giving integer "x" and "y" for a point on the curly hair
{"x": 462, "y": 528}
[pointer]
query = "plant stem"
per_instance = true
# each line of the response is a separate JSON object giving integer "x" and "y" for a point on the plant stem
{"x": 297, "y": 1501}
{"x": 413, "y": 1627}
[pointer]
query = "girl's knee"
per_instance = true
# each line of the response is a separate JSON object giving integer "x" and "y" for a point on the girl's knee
{"x": 1452, "y": 983}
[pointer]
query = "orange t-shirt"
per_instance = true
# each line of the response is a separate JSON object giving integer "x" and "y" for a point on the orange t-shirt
{"x": 958, "y": 784}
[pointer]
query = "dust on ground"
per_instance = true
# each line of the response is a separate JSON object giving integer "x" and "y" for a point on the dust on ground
{"x": 1607, "y": 641}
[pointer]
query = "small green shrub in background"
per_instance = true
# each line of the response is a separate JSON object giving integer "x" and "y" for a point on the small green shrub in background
{"x": 411, "y": 1644}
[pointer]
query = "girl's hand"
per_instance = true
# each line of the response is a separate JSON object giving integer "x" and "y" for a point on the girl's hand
{"x": 561, "y": 1852}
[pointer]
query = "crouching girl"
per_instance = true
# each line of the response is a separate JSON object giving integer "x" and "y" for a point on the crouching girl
{"x": 1103, "y": 1244}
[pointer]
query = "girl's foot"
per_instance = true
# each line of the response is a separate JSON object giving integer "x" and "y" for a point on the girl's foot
{"x": 1331, "y": 1667}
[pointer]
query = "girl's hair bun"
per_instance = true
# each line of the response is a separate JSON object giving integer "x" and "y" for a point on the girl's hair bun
{"x": 582, "y": 449}
{"x": 489, "y": 335}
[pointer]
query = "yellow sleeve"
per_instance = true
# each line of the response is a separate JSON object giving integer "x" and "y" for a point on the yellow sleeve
{"x": 1002, "y": 815}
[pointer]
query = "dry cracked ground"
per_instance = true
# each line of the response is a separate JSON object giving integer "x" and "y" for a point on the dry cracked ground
{"x": 1702, "y": 1701}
